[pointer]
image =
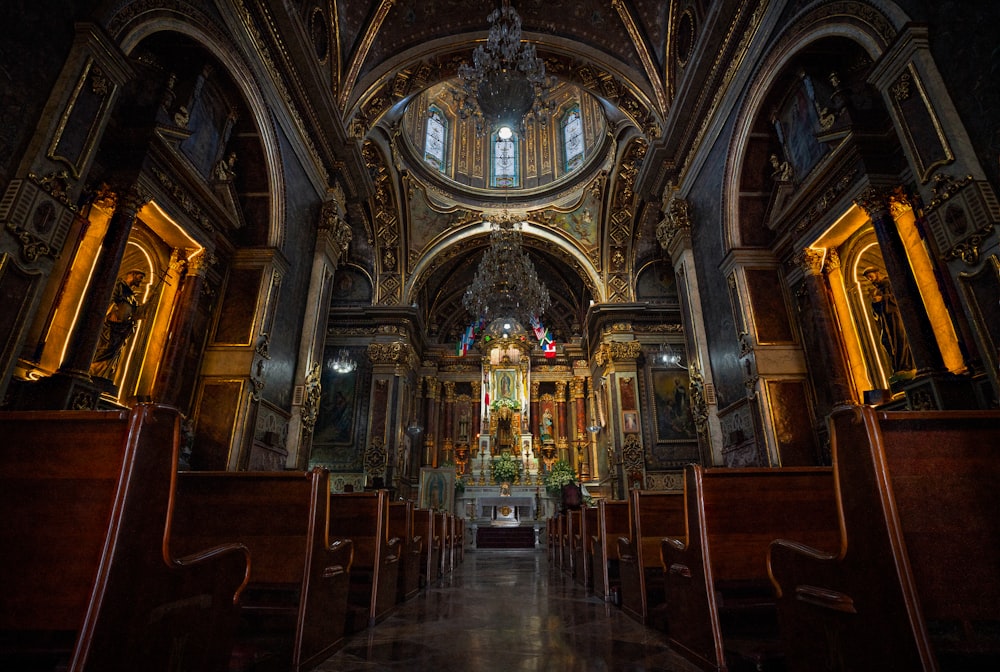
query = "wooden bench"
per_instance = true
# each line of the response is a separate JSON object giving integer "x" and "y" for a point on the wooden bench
{"x": 583, "y": 547}
{"x": 445, "y": 524}
{"x": 363, "y": 517}
{"x": 459, "y": 540}
{"x": 570, "y": 536}
{"x": 295, "y": 607}
{"x": 914, "y": 583}
{"x": 612, "y": 523}
{"x": 652, "y": 517}
{"x": 424, "y": 527}
{"x": 719, "y": 599}
{"x": 410, "y": 548}
{"x": 88, "y": 574}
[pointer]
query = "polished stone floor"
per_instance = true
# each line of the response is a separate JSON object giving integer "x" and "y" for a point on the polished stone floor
{"x": 506, "y": 611}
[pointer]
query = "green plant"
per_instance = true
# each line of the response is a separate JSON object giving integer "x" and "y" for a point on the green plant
{"x": 512, "y": 404}
{"x": 505, "y": 469}
{"x": 560, "y": 474}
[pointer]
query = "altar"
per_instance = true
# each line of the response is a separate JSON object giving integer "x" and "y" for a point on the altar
{"x": 485, "y": 509}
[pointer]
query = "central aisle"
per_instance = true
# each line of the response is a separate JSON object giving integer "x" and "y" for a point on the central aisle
{"x": 506, "y": 611}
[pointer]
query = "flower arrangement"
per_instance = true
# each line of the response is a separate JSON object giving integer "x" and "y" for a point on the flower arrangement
{"x": 560, "y": 474}
{"x": 512, "y": 404}
{"x": 505, "y": 469}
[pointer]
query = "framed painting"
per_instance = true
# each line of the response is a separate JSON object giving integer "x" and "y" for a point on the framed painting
{"x": 437, "y": 488}
{"x": 505, "y": 383}
{"x": 630, "y": 422}
{"x": 674, "y": 421}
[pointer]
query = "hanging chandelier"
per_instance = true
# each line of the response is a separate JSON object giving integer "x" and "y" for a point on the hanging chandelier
{"x": 506, "y": 284}
{"x": 343, "y": 362}
{"x": 506, "y": 81}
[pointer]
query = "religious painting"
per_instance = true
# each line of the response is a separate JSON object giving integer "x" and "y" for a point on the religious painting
{"x": 626, "y": 385}
{"x": 674, "y": 421}
{"x": 630, "y": 422}
{"x": 437, "y": 488}
{"x": 505, "y": 384}
{"x": 656, "y": 283}
{"x": 351, "y": 286}
{"x": 338, "y": 436}
{"x": 796, "y": 123}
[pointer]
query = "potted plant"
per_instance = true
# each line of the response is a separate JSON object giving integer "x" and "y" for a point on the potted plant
{"x": 505, "y": 469}
{"x": 560, "y": 474}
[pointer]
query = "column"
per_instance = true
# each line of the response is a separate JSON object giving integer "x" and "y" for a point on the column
{"x": 87, "y": 332}
{"x": 919, "y": 331}
{"x": 577, "y": 388}
{"x": 562, "y": 435}
{"x": 169, "y": 378}
{"x": 447, "y": 443}
{"x": 431, "y": 422}
{"x": 827, "y": 364}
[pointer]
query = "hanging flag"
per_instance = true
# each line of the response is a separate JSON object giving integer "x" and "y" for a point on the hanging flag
{"x": 549, "y": 349}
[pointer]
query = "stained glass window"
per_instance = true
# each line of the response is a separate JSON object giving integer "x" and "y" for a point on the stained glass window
{"x": 435, "y": 138}
{"x": 505, "y": 161}
{"x": 572, "y": 134}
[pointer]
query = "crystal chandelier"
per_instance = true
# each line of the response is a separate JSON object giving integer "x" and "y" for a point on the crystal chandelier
{"x": 343, "y": 362}
{"x": 506, "y": 81}
{"x": 506, "y": 284}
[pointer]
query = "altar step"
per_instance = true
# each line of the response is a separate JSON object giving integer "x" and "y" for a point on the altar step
{"x": 505, "y": 537}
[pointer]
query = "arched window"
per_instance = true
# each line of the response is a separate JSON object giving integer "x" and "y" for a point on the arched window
{"x": 571, "y": 125}
{"x": 435, "y": 138}
{"x": 505, "y": 160}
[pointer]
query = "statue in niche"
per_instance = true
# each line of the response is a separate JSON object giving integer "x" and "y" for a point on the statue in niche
{"x": 463, "y": 426}
{"x": 505, "y": 431}
{"x": 887, "y": 317}
{"x": 119, "y": 323}
{"x": 545, "y": 427}
{"x": 781, "y": 170}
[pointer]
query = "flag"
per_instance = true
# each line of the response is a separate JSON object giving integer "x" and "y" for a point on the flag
{"x": 549, "y": 349}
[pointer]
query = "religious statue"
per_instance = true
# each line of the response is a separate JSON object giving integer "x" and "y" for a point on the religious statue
{"x": 782, "y": 170}
{"x": 505, "y": 432}
{"x": 545, "y": 427}
{"x": 463, "y": 426}
{"x": 885, "y": 310}
{"x": 225, "y": 169}
{"x": 119, "y": 324}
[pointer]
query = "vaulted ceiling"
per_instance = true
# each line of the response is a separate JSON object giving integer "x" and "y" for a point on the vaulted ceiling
{"x": 637, "y": 57}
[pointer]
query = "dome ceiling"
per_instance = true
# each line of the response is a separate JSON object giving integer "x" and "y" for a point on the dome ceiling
{"x": 395, "y": 59}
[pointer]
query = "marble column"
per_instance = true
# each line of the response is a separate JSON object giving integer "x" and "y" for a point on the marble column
{"x": 87, "y": 331}
{"x": 170, "y": 376}
{"x": 829, "y": 367}
{"x": 447, "y": 441}
{"x": 919, "y": 331}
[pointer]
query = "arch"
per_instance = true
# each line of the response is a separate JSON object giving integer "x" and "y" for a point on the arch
{"x": 133, "y": 29}
{"x": 534, "y": 235}
{"x": 871, "y": 29}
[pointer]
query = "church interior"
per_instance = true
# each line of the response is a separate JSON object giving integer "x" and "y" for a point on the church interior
{"x": 469, "y": 254}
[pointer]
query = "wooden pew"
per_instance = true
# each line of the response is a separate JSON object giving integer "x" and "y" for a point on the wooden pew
{"x": 295, "y": 607}
{"x": 459, "y": 540}
{"x": 913, "y": 583}
{"x": 424, "y": 527}
{"x": 446, "y": 526}
{"x": 573, "y": 525}
{"x": 652, "y": 517}
{"x": 550, "y": 539}
{"x": 88, "y": 575}
{"x": 363, "y": 517}
{"x": 583, "y": 547}
{"x": 410, "y": 548}
{"x": 719, "y": 599}
{"x": 612, "y": 523}
{"x": 565, "y": 550}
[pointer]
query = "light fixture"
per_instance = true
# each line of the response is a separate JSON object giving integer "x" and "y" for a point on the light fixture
{"x": 343, "y": 362}
{"x": 669, "y": 357}
{"x": 414, "y": 429}
{"x": 506, "y": 81}
{"x": 506, "y": 284}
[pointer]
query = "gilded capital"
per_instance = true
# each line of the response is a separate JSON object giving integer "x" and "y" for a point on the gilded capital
{"x": 676, "y": 221}
{"x": 810, "y": 260}
{"x": 449, "y": 391}
{"x": 618, "y": 351}
{"x": 389, "y": 353}
{"x": 874, "y": 201}
{"x": 534, "y": 390}
{"x": 560, "y": 390}
{"x": 576, "y": 386}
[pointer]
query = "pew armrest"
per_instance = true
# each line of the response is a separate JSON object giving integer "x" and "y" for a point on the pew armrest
{"x": 791, "y": 564}
{"x": 227, "y": 562}
{"x": 392, "y": 549}
{"x": 627, "y": 551}
{"x": 341, "y": 552}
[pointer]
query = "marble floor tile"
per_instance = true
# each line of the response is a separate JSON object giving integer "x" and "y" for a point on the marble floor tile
{"x": 506, "y": 611}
